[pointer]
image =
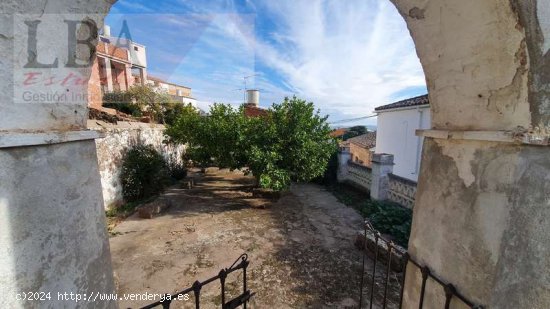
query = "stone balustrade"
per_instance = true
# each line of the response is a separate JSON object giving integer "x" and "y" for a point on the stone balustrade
{"x": 359, "y": 175}
{"x": 401, "y": 190}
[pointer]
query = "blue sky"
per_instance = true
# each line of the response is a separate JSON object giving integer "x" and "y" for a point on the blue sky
{"x": 347, "y": 56}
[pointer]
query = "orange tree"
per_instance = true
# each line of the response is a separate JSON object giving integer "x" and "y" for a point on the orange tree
{"x": 290, "y": 143}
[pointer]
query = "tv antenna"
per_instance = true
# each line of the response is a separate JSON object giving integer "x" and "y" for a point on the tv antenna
{"x": 245, "y": 79}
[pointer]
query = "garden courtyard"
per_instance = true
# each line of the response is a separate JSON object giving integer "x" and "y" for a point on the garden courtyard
{"x": 300, "y": 246}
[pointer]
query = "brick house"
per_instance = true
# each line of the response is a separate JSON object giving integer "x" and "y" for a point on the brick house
{"x": 361, "y": 148}
{"x": 114, "y": 67}
{"x": 120, "y": 64}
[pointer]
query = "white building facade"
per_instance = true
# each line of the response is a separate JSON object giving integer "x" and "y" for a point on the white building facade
{"x": 396, "y": 133}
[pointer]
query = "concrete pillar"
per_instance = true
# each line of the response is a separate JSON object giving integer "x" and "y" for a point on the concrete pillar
{"x": 480, "y": 219}
{"x": 129, "y": 77}
{"x": 108, "y": 75}
{"x": 343, "y": 157}
{"x": 143, "y": 76}
{"x": 382, "y": 165}
{"x": 53, "y": 235}
{"x": 95, "y": 99}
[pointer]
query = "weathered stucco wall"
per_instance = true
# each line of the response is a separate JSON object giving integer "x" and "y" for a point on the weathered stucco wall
{"x": 486, "y": 229}
{"x": 118, "y": 139}
{"x": 52, "y": 226}
{"x": 481, "y": 214}
{"x": 534, "y": 17}
{"x": 475, "y": 60}
{"x": 52, "y": 43}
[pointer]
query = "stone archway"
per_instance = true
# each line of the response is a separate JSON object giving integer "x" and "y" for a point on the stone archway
{"x": 481, "y": 216}
{"x": 483, "y": 186}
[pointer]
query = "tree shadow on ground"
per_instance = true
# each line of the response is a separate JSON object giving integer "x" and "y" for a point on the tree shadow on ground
{"x": 302, "y": 254}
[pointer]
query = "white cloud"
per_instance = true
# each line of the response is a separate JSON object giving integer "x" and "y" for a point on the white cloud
{"x": 346, "y": 56}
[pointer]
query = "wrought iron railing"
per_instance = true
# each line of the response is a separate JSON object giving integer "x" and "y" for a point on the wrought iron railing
{"x": 241, "y": 263}
{"x": 450, "y": 291}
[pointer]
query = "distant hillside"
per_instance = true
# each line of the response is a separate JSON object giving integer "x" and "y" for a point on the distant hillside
{"x": 369, "y": 127}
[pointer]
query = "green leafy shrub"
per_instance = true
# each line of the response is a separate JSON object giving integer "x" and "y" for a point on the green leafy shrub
{"x": 198, "y": 156}
{"x": 144, "y": 173}
{"x": 144, "y": 100}
{"x": 354, "y": 131}
{"x": 275, "y": 179}
{"x": 172, "y": 111}
{"x": 290, "y": 142}
{"x": 330, "y": 175}
{"x": 177, "y": 170}
{"x": 122, "y": 102}
{"x": 389, "y": 218}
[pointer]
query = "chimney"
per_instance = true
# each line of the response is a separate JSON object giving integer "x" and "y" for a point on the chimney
{"x": 253, "y": 97}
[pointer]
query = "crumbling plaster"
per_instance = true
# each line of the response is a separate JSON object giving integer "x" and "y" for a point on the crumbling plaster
{"x": 534, "y": 16}
{"x": 481, "y": 214}
{"x": 488, "y": 237}
{"x": 44, "y": 116}
{"x": 52, "y": 225}
{"x": 543, "y": 14}
{"x": 468, "y": 217}
{"x": 461, "y": 45}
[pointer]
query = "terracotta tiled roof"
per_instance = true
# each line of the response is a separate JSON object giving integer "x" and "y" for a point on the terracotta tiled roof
{"x": 254, "y": 111}
{"x": 343, "y": 144}
{"x": 338, "y": 132}
{"x": 367, "y": 140}
{"x": 416, "y": 101}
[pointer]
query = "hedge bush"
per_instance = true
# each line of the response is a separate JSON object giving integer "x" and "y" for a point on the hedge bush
{"x": 177, "y": 170}
{"x": 122, "y": 102}
{"x": 385, "y": 216}
{"x": 389, "y": 218}
{"x": 144, "y": 173}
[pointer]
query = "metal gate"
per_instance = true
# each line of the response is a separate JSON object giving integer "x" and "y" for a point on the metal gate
{"x": 381, "y": 257}
{"x": 241, "y": 263}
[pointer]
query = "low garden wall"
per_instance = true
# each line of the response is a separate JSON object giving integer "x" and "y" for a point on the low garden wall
{"x": 378, "y": 180}
{"x": 401, "y": 190}
{"x": 118, "y": 138}
{"x": 359, "y": 175}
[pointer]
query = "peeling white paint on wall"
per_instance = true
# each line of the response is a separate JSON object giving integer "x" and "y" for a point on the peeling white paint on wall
{"x": 463, "y": 158}
{"x": 492, "y": 215}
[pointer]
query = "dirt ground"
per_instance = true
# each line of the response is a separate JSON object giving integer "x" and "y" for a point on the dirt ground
{"x": 300, "y": 247}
